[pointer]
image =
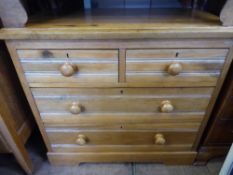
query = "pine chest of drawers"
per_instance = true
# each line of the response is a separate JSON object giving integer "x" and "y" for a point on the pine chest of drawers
{"x": 123, "y": 100}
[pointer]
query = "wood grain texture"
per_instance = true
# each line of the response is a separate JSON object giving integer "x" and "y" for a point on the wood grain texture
{"x": 122, "y": 65}
{"x": 177, "y": 43}
{"x": 198, "y": 66}
{"x": 120, "y": 120}
{"x": 217, "y": 138}
{"x": 177, "y": 158}
{"x": 139, "y": 100}
{"x": 216, "y": 92}
{"x": 128, "y": 113}
{"x": 167, "y": 33}
{"x": 92, "y": 65}
{"x": 143, "y": 126}
{"x": 114, "y": 137}
{"x": 129, "y": 24}
{"x": 69, "y": 148}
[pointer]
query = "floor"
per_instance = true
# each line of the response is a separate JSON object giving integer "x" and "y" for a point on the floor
{"x": 8, "y": 166}
{"x": 42, "y": 167}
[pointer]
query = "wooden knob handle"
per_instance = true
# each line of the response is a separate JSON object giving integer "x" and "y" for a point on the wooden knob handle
{"x": 174, "y": 69}
{"x": 81, "y": 140}
{"x": 159, "y": 139}
{"x": 75, "y": 108}
{"x": 166, "y": 106}
{"x": 68, "y": 69}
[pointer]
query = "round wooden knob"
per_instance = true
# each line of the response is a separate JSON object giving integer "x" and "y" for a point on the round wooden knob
{"x": 159, "y": 139}
{"x": 75, "y": 108}
{"x": 174, "y": 69}
{"x": 68, "y": 69}
{"x": 81, "y": 140}
{"x": 166, "y": 106}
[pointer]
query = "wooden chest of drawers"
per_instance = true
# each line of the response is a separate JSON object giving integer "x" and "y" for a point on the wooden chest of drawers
{"x": 122, "y": 100}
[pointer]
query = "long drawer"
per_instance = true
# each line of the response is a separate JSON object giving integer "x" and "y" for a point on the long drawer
{"x": 74, "y": 148}
{"x": 70, "y": 66}
{"x": 175, "y": 67}
{"x": 121, "y": 100}
{"x": 111, "y": 137}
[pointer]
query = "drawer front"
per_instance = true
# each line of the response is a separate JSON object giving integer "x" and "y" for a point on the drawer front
{"x": 121, "y": 100}
{"x": 70, "y": 66}
{"x": 109, "y": 137}
{"x": 124, "y": 121}
{"x": 74, "y": 148}
{"x": 175, "y": 67}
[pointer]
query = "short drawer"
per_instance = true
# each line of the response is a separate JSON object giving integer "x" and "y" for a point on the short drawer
{"x": 111, "y": 137}
{"x": 175, "y": 67}
{"x": 78, "y": 101}
{"x": 70, "y": 66}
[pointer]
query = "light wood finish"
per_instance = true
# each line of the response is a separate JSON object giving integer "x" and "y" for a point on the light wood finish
{"x": 68, "y": 69}
{"x": 119, "y": 120}
{"x": 189, "y": 65}
{"x": 175, "y": 69}
{"x": 159, "y": 139}
{"x": 124, "y": 121}
{"x": 81, "y": 140}
{"x": 68, "y": 54}
{"x": 65, "y": 148}
{"x": 122, "y": 65}
{"x": 123, "y": 111}
{"x": 75, "y": 108}
{"x": 124, "y": 100}
{"x": 77, "y": 66}
{"x": 122, "y": 24}
{"x": 147, "y": 126}
{"x": 217, "y": 138}
{"x": 139, "y": 44}
{"x": 59, "y": 109}
{"x": 114, "y": 137}
{"x": 177, "y": 158}
{"x": 220, "y": 82}
{"x": 166, "y": 106}
{"x": 176, "y": 54}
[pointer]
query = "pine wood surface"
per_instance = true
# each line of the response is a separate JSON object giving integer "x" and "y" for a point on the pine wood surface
{"x": 137, "y": 74}
{"x": 178, "y": 158}
{"x": 124, "y": 24}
